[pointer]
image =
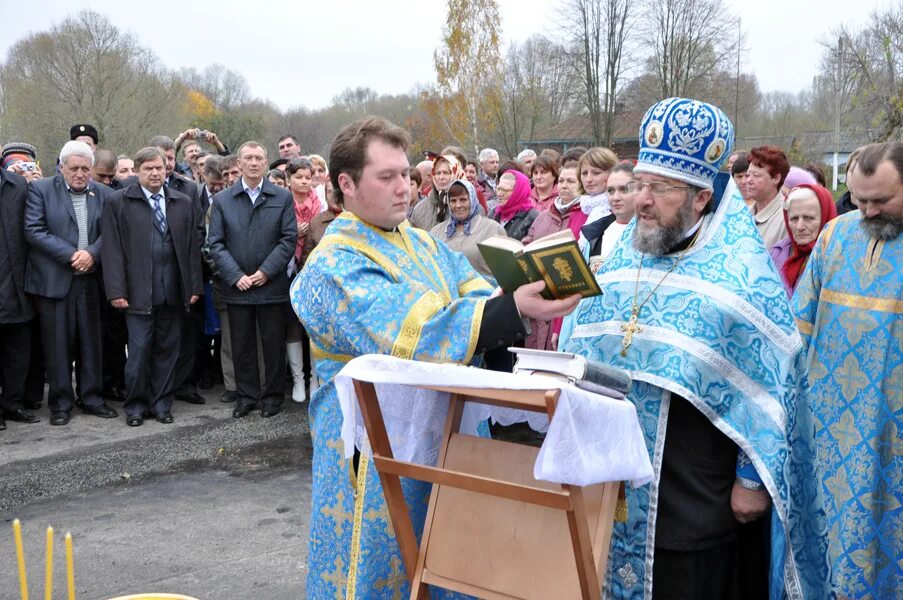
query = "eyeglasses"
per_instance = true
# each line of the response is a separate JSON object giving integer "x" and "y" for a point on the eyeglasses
{"x": 658, "y": 189}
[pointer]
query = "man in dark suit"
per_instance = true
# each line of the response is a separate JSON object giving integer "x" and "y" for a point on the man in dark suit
{"x": 62, "y": 226}
{"x": 193, "y": 320}
{"x": 16, "y": 311}
{"x": 152, "y": 271}
{"x": 252, "y": 237}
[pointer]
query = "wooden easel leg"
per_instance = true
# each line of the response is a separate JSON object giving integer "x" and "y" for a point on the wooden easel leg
{"x": 420, "y": 590}
{"x": 583, "y": 546}
{"x": 392, "y": 491}
{"x": 605, "y": 527}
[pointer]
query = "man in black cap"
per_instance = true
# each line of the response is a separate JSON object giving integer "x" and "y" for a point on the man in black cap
{"x": 16, "y": 311}
{"x": 82, "y": 132}
{"x": 20, "y": 158}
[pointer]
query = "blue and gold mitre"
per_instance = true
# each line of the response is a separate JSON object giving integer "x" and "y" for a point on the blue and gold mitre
{"x": 686, "y": 140}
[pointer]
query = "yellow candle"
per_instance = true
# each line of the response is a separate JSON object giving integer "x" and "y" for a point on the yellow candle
{"x": 70, "y": 572}
{"x": 48, "y": 579}
{"x": 20, "y": 556}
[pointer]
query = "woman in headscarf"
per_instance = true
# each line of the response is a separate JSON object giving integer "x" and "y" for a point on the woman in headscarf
{"x": 807, "y": 210}
{"x": 515, "y": 210}
{"x": 465, "y": 227}
{"x": 433, "y": 209}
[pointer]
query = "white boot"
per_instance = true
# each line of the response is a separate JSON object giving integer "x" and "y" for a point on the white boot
{"x": 314, "y": 380}
{"x": 294, "y": 353}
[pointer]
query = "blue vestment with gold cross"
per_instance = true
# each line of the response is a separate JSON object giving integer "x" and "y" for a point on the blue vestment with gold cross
{"x": 365, "y": 290}
{"x": 849, "y": 308}
{"x": 716, "y": 330}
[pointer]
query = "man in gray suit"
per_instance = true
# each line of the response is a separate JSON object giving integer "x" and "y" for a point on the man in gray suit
{"x": 62, "y": 226}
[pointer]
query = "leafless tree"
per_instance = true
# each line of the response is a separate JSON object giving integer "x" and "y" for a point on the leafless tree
{"x": 227, "y": 89}
{"x": 865, "y": 69}
{"x": 85, "y": 70}
{"x": 599, "y": 31}
{"x": 691, "y": 42}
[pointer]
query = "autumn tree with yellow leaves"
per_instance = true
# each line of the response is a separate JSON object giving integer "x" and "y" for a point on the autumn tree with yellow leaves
{"x": 467, "y": 73}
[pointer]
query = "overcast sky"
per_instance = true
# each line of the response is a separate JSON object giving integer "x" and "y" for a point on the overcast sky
{"x": 304, "y": 52}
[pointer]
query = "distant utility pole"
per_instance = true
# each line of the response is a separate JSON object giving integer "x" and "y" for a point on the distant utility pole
{"x": 837, "y": 110}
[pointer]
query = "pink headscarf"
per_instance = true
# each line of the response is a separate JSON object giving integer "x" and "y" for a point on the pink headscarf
{"x": 519, "y": 201}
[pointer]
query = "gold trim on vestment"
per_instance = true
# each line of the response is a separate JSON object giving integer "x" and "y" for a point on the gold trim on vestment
{"x": 887, "y": 305}
{"x": 805, "y": 327}
{"x": 873, "y": 254}
{"x": 412, "y": 326}
{"x": 406, "y": 231}
{"x": 338, "y": 239}
{"x": 475, "y": 323}
{"x": 360, "y": 493}
{"x": 318, "y": 353}
{"x": 827, "y": 232}
{"x": 477, "y": 283}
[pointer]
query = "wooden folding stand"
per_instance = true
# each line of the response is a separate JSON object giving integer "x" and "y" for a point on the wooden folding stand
{"x": 492, "y": 530}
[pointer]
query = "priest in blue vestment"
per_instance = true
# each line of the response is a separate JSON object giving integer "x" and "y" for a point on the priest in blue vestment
{"x": 376, "y": 285}
{"x": 849, "y": 308}
{"x": 693, "y": 307}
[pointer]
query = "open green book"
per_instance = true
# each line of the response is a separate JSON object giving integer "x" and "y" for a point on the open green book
{"x": 555, "y": 258}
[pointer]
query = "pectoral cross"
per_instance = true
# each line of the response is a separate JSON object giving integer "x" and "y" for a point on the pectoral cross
{"x": 630, "y": 328}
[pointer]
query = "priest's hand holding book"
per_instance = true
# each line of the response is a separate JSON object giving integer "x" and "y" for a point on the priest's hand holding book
{"x": 531, "y": 303}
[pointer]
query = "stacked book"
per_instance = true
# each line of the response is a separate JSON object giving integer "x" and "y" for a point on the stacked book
{"x": 586, "y": 374}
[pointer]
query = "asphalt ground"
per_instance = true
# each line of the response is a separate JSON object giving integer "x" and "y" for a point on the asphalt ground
{"x": 209, "y": 506}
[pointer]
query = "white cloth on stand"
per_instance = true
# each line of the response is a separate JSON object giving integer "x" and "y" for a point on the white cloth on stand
{"x": 592, "y": 439}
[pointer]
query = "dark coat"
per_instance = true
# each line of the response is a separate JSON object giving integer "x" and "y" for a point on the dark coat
{"x": 52, "y": 233}
{"x": 202, "y": 209}
{"x": 244, "y": 238}
{"x": 128, "y": 223}
{"x": 13, "y": 195}
{"x": 593, "y": 233}
{"x": 519, "y": 225}
{"x": 845, "y": 204}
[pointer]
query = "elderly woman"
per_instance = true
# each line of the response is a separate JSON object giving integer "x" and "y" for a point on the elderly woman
{"x": 807, "y": 210}
{"x": 432, "y": 210}
{"x": 545, "y": 176}
{"x": 318, "y": 180}
{"x": 514, "y": 209}
{"x": 465, "y": 227}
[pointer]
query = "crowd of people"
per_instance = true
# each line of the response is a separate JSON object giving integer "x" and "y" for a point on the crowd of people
{"x": 762, "y": 321}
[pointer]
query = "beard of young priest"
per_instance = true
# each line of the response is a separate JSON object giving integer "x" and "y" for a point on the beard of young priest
{"x": 693, "y": 307}
{"x": 376, "y": 285}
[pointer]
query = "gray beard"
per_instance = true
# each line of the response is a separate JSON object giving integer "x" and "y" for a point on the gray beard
{"x": 882, "y": 227}
{"x": 660, "y": 241}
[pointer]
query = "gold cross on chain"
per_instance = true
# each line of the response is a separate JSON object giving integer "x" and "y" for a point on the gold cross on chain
{"x": 630, "y": 329}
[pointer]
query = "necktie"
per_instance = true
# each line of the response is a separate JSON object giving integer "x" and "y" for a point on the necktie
{"x": 159, "y": 219}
